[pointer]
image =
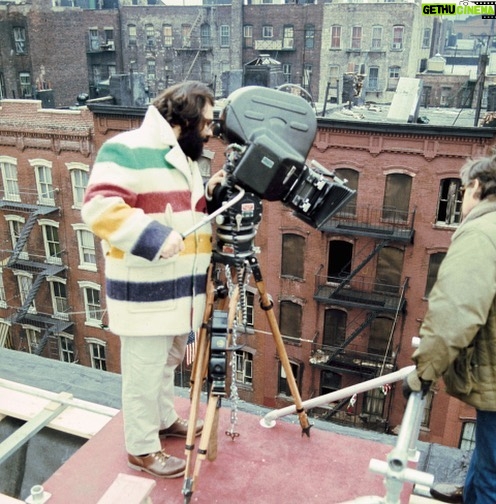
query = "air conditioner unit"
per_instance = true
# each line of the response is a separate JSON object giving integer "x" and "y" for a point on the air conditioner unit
{"x": 397, "y": 45}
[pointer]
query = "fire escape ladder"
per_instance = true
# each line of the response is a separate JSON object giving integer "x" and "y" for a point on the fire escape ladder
{"x": 23, "y": 238}
{"x": 347, "y": 280}
{"x": 195, "y": 24}
{"x": 35, "y": 287}
{"x": 368, "y": 320}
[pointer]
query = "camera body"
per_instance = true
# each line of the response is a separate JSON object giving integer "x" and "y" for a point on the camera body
{"x": 273, "y": 132}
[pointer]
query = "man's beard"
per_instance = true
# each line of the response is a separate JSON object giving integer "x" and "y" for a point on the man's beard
{"x": 191, "y": 143}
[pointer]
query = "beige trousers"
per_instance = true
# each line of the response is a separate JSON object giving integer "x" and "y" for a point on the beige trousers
{"x": 147, "y": 369}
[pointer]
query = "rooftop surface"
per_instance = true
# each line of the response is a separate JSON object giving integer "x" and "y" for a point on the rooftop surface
{"x": 261, "y": 465}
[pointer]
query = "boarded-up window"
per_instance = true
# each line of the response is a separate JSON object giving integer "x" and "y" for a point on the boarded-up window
{"x": 435, "y": 261}
{"x": 334, "y": 327}
{"x": 397, "y": 197}
{"x": 389, "y": 268}
{"x": 290, "y": 319}
{"x": 293, "y": 260}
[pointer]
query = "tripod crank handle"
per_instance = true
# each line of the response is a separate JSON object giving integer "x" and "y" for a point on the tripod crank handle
{"x": 217, "y": 212}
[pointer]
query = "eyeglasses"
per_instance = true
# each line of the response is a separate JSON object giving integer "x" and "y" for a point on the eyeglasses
{"x": 208, "y": 124}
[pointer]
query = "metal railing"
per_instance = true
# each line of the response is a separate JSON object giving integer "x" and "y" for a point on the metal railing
{"x": 395, "y": 469}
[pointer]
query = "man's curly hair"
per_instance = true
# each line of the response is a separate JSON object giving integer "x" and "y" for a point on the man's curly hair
{"x": 182, "y": 104}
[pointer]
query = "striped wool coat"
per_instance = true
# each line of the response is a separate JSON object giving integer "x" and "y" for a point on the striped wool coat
{"x": 141, "y": 187}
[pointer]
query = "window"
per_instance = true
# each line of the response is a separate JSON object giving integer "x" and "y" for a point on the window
{"x": 244, "y": 367}
{"x": 33, "y": 337}
{"x": 91, "y": 295}
{"x": 449, "y": 202}
{"x": 94, "y": 39}
{"x": 79, "y": 181}
{"x": 248, "y": 36}
{"x": 389, "y": 268}
{"x": 426, "y": 39}
{"x": 51, "y": 241}
{"x": 290, "y": 315}
{"x": 467, "y": 438}
{"x": 66, "y": 348}
{"x": 185, "y": 35}
{"x": 288, "y": 37}
{"x": 426, "y": 413}
{"x": 97, "y": 353}
{"x": 3, "y": 92}
{"x": 286, "y": 72}
{"x": 86, "y": 247}
{"x": 376, "y": 37}
{"x": 44, "y": 185}
{"x": 150, "y": 69}
{"x": 225, "y": 36}
{"x": 206, "y": 71}
{"x": 293, "y": 256}
{"x": 335, "y": 37}
{"x": 131, "y": 33}
{"x": 339, "y": 260}
{"x": 394, "y": 72}
{"x": 373, "y": 79}
{"x": 356, "y": 37}
{"x": 334, "y": 327}
{"x": 8, "y": 168}
{"x": 282, "y": 386}
{"x": 25, "y": 283}
{"x": 205, "y": 37}
{"x": 267, "y": 31}
{"x": 167, "y": 34}
{"x": 397, "y": 197}
{"x": 435, "y": 261}
{"x": 250, "y": 304}
{"x": 3, "y": 298}
{"x": 398, "y": 37}
{"x": 109, "y": 38}
{"x": 373, "y": 402}
{"x": 309, "y": 36}
{"x": 20, "y": 39}
{"x": 25, "y": 84}
{"x": 380, "y": 337}
{"x": 307, "y": 76}
{"x": 150, "y": 35}
{"x": 16, "y": 223}
{"x": 59, "y": 297}
{"x": 351, "y": 177}
{"x": 329, "y": 382}
{"x": 4, "y": 333}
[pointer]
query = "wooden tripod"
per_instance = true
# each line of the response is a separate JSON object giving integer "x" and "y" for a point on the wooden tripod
{"x": 207, "y": 448}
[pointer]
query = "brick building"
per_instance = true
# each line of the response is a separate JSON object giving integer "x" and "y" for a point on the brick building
{"x": 348, "y": 299}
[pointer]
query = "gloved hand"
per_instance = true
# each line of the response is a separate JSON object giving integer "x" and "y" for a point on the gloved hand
{"x": 412, "y": 383}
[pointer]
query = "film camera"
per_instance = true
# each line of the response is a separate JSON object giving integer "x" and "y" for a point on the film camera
{"x": 270, "y": 133}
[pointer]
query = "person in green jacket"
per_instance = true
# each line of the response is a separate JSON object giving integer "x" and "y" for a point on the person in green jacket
{"x": 458, "y": 334}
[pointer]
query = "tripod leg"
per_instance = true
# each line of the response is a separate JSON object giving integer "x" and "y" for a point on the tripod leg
{"x": 211, "y": 417}
{"x": 267, "y": 306}
{"x": 198, "y": 375}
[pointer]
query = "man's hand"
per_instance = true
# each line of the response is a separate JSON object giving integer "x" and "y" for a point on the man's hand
{"x": 216, "y": 179}
{"x": 172, "y": 246}
{"x": 412, "y": 383}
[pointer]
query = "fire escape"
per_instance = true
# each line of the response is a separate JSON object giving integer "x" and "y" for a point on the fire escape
{"x": 361, "y": 295}
{"x": 23, "y": 259}
{"x": 197, "y": 42}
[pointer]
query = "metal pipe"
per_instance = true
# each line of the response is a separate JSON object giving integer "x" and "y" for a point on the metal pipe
{"x": 269, "y": 420}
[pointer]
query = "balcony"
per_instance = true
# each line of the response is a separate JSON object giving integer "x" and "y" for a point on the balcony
{"x": 274, "y": 45}
{"x": 360, "y": 292}
{"x": 380, "y": 223}
{"x": 351, "y": 359}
